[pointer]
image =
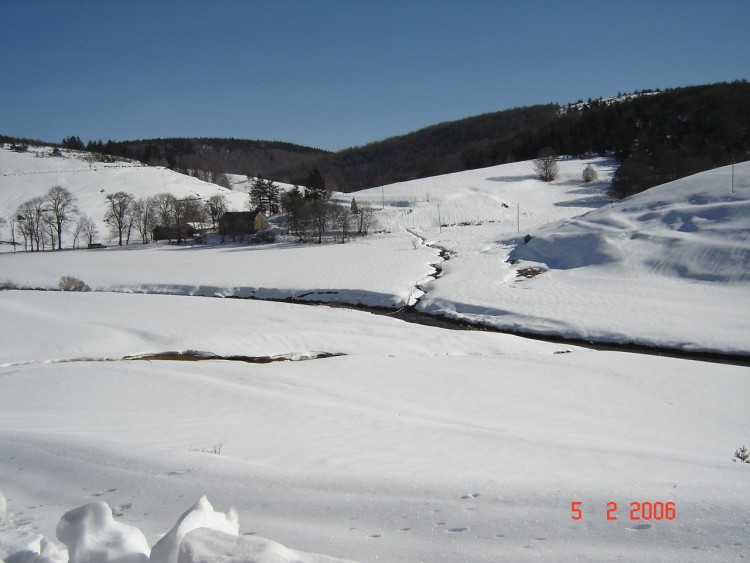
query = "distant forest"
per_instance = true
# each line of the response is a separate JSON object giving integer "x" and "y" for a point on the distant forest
{"x": 656, "y": 136}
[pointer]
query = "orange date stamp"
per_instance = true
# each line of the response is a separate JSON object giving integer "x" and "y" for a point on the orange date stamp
{"x": 636, "y": 510}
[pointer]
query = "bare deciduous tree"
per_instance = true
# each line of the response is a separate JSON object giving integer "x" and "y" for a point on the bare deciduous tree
{"x": 164, "y": 209}
{"x": 545, "y": 165}
{"x": 589, "y": 174}
{"x": 61, "y": 205}
{"x": 343, "y": 219}
{"x": 117, "y": 215}
{"x": 321, "y": 213}
{"x": 216, "y": 206}
{"x": 30, "y": 215}
{"x": 187, "y": 210}
{"x": 365, "y": 218}
{"x": 143, "y": 216}
{"x": 85, "y": 226}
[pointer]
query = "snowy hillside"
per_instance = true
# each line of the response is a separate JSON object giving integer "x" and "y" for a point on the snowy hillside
{"x": 30, "y": 174}
{"x": 670, "y": 266}
{"x": 694, "y": 228}
{"x": 499, "y": 197}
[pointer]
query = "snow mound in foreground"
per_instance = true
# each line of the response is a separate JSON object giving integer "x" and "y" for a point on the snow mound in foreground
{"x": 692, "y": 228}
{"x": 210, "y": 546}
{"x": 24, "y": 547}
{"x": 93, "y": 536}
{"x": 200, "y": 515}
{"x": 201, "y": 535}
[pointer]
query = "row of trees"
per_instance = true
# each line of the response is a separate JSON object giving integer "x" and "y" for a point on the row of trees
{"x": 42, "y": 220}
{"x": 311, "y": 217}
{"x": 311, "y": 214}
{"x": 125, "y": 214}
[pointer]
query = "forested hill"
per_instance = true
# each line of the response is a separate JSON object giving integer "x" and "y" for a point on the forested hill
{"x": 453, "y": 146}
{"x": 219, "y": 156}
{"x": 656, "y": 136}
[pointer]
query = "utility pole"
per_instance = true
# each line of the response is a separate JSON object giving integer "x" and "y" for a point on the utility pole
{"x": 518, "y": 217}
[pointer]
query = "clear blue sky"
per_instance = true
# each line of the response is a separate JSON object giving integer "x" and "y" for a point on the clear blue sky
{"x": 334, "y": 73}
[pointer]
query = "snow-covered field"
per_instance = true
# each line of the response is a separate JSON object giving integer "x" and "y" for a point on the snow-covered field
{"x": 387, "y": 441}
{"x": 418, "y": 444}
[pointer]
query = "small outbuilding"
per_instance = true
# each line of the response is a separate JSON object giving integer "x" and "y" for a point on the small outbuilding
{"x": 183, "y": 232}
{"x": 240, "y": 223}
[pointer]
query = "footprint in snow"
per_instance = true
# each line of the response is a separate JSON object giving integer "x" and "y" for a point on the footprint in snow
{"x": 119, "y": 511}
{"x": 100, "y": 494}
{"x": 641, "y": 527}
{"x": 457, "y": 530}
{"x": 472, "y": 495}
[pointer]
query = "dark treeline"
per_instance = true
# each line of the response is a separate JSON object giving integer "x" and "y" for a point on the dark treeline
{"x": 656, "y": 136}
{"x": 219, "y": 156}
{"x": 440, "y": 149}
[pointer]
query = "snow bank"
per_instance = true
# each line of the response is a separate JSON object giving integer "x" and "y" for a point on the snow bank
{"x": 27, "y": 547}
{"x": 93, "y": 536}
{"x": 205, "y": 545}
{"x": 693, "y": 228}
{"x": 201, "y": 535}
{"x": 201, "y": 515}
{"x": 20, "y": 546}
{"x": 667, "y": 267}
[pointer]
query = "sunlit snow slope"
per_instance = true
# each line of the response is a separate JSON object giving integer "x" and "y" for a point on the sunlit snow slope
{"x": 31, "y": 174}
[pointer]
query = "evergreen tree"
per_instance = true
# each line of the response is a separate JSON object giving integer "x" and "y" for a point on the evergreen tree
{"x": 264, "y": 195}
{"x": 73, "y": 143}
{"x": 316, "y": 185}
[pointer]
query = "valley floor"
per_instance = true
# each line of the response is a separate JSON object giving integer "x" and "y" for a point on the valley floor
{"x": 378, "y": 440}
{"x": 416, "y": 444}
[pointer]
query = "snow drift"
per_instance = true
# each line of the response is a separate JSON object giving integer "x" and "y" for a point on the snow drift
{"x": 201, "y": 535}
{"x": 693, "y": 228}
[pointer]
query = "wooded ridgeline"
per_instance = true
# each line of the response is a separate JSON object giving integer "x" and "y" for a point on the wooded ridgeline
{"x": 657, "y": 136}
